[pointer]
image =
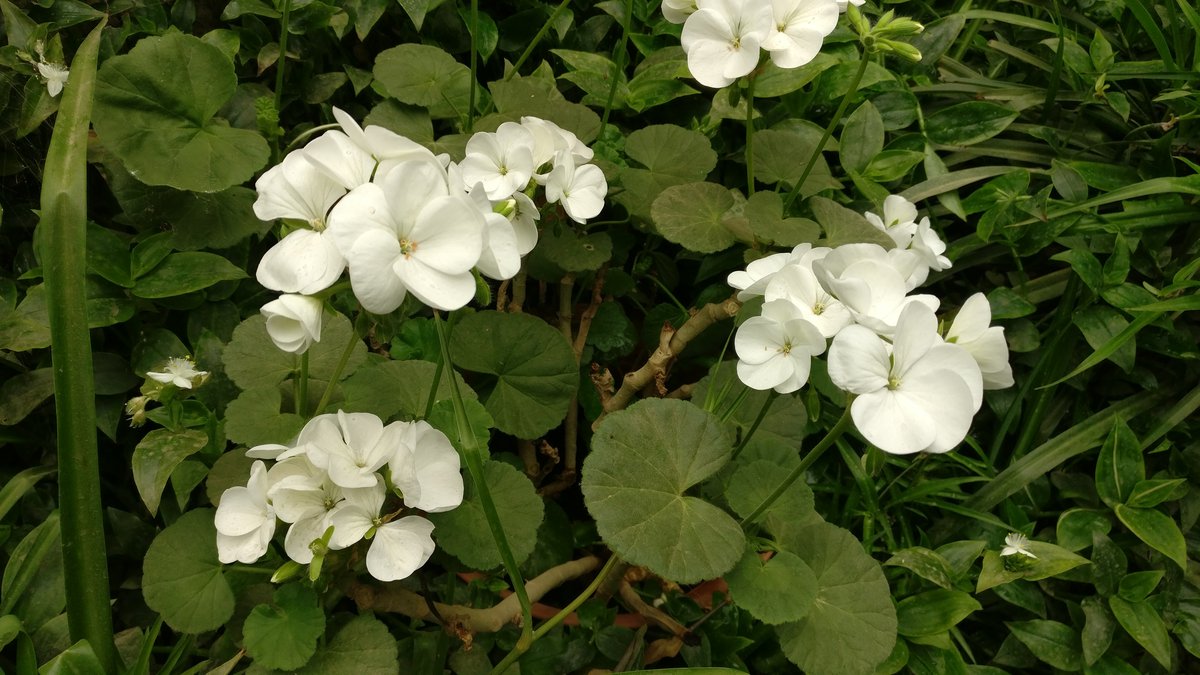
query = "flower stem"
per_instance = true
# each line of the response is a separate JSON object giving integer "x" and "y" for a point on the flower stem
{"x": 618, "y": 65}
{"x": 837, "y": 116}
{"x": 437, "y": 380}
{"x": 537, "y": 39}
{"x": 337, "y": 372}
{"x": 750, "y": 135}
{"x": 762, "y": 413}
{"x": 474, "y": 459}
{"x": 64, "y": 224}
{"x": 474, "y": 63}
{"x": 302, "y": 386}
{"x": 836, "y": 432}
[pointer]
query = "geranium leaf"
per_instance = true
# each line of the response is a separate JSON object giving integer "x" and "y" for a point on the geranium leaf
{"x": 284, "y": 634}
{"x": 394, "y": 388}
{"x": 252, "y": 360}
{"x": 464, "y": 531}
{"x": 155, "y": 110}
{"x": 643, "y": 461}
{"x": 253, "y": 418}
{"x": 852, "y": 626}
{"x": 535, "y": 369}
{"x": 692, "y": 215}
{"x": 774, "y": 591}
{"x": 157, "y": 455}
{"x": 426, "y": 76}
{"x": 364, "y": 646}
{"x": 182, "y": 577}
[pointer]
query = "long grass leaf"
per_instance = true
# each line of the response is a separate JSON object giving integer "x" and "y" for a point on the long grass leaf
{"x": 1150, "y": 24}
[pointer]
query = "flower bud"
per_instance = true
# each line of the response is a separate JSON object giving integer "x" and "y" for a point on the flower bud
{"x": 287, "y": 571}
{"x": 293, "y": 322}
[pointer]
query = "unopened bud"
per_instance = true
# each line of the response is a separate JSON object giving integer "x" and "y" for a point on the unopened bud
{"x": 136, "y": 409}
{"x": 288, "y": 570}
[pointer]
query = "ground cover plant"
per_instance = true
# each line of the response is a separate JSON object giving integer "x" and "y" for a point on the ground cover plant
{"x": 756, "y": 336}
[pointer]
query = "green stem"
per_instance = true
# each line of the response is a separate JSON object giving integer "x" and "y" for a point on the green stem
{"x": 618, "y": 65}
{"x": 437, "y": 380}
{"x": 337, "y": 372}
{"x": 558, "y": 618}
{"x": 474, "y": 63}
{"x": 302, "y": 386}
{"x": 737, "y": 403}
{"x": 835, "y": 433}
{"x": 537, "y": 39}
{"x": 64, "y": 225}
{"x": 750, "y": 136}
{"x": 474, "y": 459}
{"x": 281, "y": 66}
{"x": 837, "y": 116}
{"x": 762, "y": 413}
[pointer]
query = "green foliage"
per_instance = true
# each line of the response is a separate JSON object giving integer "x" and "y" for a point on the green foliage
{"x": 284, "y": 634}
{"x": 464, "y": 532}
{"x": 183, "y": 580}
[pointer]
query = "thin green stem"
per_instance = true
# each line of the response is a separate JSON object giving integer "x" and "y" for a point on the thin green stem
{"x": 474, "y": 63}
{"x": 64, "y": 226}
{"x": 762, "y": 414}
{"x": 737, "y": 403}
{"x": 837, "y": 116}
{"x": 618, "y": 65}
{"x": 835, "y": 433}
{"x": 474, "y": 459}
{"x": 337, "y": 372}
{"x": 302, "y": 387}
{"x": 549, "y": 624}
{"x": 303, "y": 135}
{"x": 750, "y": 135}
{"x": 562, "y": 6}
{"x": 437, "y": 380}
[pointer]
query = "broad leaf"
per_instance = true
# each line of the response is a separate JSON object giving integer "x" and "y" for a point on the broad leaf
{"x": 464, "y": 531}
{"x": 284, "y": 633}
{"x": 693, "y": 216}
{"x": 1119, "y": 466}
{"x": 1054, "y": 643}
{"x": 254, "y": 418}
{"x": 392, "y": 388}
{"x": 933, "y": 612}
{"x": 753, "y": 483}
{"x": 1051, "y": 561}
{"x": 843, "y": 226}
{"x": 764, "y": 219}
{"x": 643, "y": 461}
{"x": 155, "y": 110}
{"x": 182, "y": 577}
{"x": 852, "y": 626}
{"x": 364, "y": 646}
{"x": 780, "y": 156}
{"x": 252, "y": 360}
{"x": 927, "y": 564}
{"x": 968, "y": 123}
{"x": 862, "y": 138}
{"x": 182, "y": 273}
{"x": 1157, "y": 529}
{"x": 774, "y": 591}
{"x": 426, "y": 76}
{"x": 535, "y": 369}
{"x": 157, "y": 455}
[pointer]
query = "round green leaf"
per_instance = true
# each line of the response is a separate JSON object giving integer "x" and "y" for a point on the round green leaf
{"x": 252, "y": 360}
{"x": 426, "y": 76}
{"x": 464, "y": 531}
{"x": 780, "y": 434}
{"x": 253, "y": 418}
{"x": 672, "y": 150}
{"x": 182, "y": 578}
{"x": 154, "y": 109}
{"x": 535, "y": 369}
{"x": 852, "y": 626}
{"x": 643, "y": 460}
{"x": 391, "y": 388}
{"x": 780, "y": 155}
{"x": 283, "y": 635}
{"x": 157, "y": 455}
{"x": 364, "y": 646}
{"x": 752, "y": 483}
{"x": 693, "y": 215}
{"x": 774, "y": 591}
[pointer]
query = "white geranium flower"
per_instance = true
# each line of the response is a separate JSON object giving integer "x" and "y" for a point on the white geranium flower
{"x": 524, "y": 217}
{"x": 384, "y": 145}
{"x": 899, "y": 220}
{"x": 797, "y": 284}
{"x": 918, "y": 394}
{"x": 843, "y": 3}
{"x": 722, "y": 39}
{"x": 677, "y": 11}
{"x": 245, "y": 520}
{"x": 179, "y": 371}
{"x": 870, "y": 282}
{"x": 357, "y": 514}
{"x": 929, "y": 247}
{"x": 293, "y": 322}
{"x": 549, "y": 139}
{"x": 1016, "y": 543}
{"x": 304, "y": 496}
{"x": 400, "y": 548}
{"x": 799, "y": 30}
{"x": 501, "y": 161}
{"x": 972, "y": 330}
{"x": 296, "y": 189}
{"x": 580, "y": 189}
{"x": 775, "y": 349}
{"x": 426, "y": 469}
{"x": 351, "y": 447}
{"x": 753, "y": 281}
{"x": 56, "y": 76}
{"x": 409, "y": 233}
{"x": 345, "y": 162}
{"x": 305, "y": 262}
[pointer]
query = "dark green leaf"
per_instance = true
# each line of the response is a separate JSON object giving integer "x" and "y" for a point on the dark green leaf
{"x": 1143, "y": 624}
{"x": 155, "y": 459}
{"x": 1119, "y": 466}
{"x": 862, "y": 138}
{"x": 284, "y": 634}
{"x": 426, "y": 76}
{"x": 1098, "y": 627}
{"x": 1076, "y": 527}
{"x": 968, "y": 123}
{"x": 464, "y": 531}
{"x": 183, "y": 273}
{"x": 1052, "y": 642}
{"x": 774, "y": 591}
{"x": 924, "y": 563}
{"x": 1136, "y": 586}
{"x": 933, "y": 612}
{"x": 693, "y": 215}
{"x": 182, "y": 578}
{"x": 1157, "y": 529}
{"x": 1147, "y": 494}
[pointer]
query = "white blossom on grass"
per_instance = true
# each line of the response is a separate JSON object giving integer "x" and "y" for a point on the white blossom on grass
{"x": 245, "y": 519}
{"x": 775, "y": 349}
{"x": 1015, "y": 543}
{"x": 179, "y": 371}
{"x": 917, "y": 394}
{"x": 56, "y": 76}
{"x": 293, "y": 322}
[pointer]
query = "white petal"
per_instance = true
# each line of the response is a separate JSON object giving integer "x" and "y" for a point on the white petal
{"x": 946, "y": 399}
{"x": 893, "y": 422}
{"x": 400, "y": 548}
{"x": 858, "y": 361}
{"x": 372, "y": 272}
{"x": 303, "y": 262}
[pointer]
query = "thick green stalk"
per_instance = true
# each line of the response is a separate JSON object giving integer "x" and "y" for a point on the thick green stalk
{"x": 281, "y": 63}
{"x": 837, "y": 116}
{"x": 302, "y": 387}
{"x": 835, "y": 433}
{"x": 64, "y": 231}
{"x": 474, "y": 459}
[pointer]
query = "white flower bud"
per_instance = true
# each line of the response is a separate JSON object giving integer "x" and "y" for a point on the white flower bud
{"x": 293, "y": 322}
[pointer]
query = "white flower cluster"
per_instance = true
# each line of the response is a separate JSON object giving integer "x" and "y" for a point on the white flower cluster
{"x": 916, "y": 391}
{"x": 332, "y": 487}
{"x": 404, "y": 220}
{"x": 722, "y": 38}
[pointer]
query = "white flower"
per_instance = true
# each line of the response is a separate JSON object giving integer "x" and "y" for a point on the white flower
{"x": 304, "y": 496}
{"x": 400, "y": 548}
{"x": 799, "y": 29}
{"x": 580, "y": 189}
{"x": 409, "y": 233}
{"x": 245, "y": 520}
{"x": 426, "y": 469}
{"x": 305, "y": 262}
{"x": 357, "y": 515}
{"x": 918, "y": 394}
{"x": 677, "y": 11}
{"x": 899, "y": 220}
{"x": 929, "y": 246}
{"x": 296, "y": 189}
{"x": 341, "y": 159}
{"x": 56, "y": 76}
{"x": 972, "y": 331}
{"x": 775, "y": 349}
{"x": 524, "y": 217}
{"x": 386, "y": 146}
{"x": 871, "y": 283}
{"x": 549, "y": 139}
{"x": 293, "y": 322}
{"x": 722, "y": 39}
{"x": 797, "y": 284}
{"x": 1016, "y": 543}
{"x": 753, "y": 281}
{"x": 501, "y": 161}
{"x": 179, "y": 371}
{"x": 350, "y": 446}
